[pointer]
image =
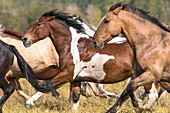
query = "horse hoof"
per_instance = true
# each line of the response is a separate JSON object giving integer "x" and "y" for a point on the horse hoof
{"x": 28, "y": 105}
{"x": 147, "y": 107}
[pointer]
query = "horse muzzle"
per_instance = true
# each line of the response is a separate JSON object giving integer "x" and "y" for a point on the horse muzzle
{"x": 26, "y": 41}
{"x": 98, "y": 45}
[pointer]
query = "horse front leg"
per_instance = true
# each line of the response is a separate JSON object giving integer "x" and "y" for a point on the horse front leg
{"x": 75, "y": 94}
{"x": 145, "y": 78}
{"x": 123, "y": 97}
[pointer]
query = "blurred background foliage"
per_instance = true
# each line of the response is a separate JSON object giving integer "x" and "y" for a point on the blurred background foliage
{"x": 20, "y": 14}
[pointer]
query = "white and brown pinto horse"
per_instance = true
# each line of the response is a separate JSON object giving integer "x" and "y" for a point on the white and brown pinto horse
{"x": 44, "y": 64}
{"x": 78, "y": 60}
{"x": 150, "y": 41}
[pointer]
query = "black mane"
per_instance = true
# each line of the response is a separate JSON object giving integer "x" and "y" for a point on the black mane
{"x": 139, "y": 12}
{"x": 65, "y": 17}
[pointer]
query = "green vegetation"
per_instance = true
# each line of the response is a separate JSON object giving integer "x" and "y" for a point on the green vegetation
{"x": 20, "y": 14}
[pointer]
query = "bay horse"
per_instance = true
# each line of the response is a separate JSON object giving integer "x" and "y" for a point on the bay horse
{"x": 44, "y": 64}
{"x": 77, "y": 57}
{"x": 7, "y": 53}
{"x": 150, "y": 42}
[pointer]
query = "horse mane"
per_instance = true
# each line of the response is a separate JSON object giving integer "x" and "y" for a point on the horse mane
{"x": 65, "y": 17}
{"x": 141, "y": 13}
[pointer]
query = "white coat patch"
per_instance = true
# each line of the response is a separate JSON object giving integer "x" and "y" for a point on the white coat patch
{"x": 153, "y": 95}
{"x": 92, "y": 68}
{"x": 117, "y": 40}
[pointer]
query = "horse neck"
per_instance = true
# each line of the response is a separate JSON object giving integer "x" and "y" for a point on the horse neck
{"x": 8, "y": 36}
{"x": 61, "y": 37}
{"x": 137, "y": 30}
{"x": 13, "y": 33}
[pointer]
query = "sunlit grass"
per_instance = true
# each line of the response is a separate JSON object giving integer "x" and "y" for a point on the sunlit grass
{"x": 48, "y": 104}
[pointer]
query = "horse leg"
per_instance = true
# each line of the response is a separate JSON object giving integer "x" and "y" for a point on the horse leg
{"x": 165, "y": 85}
{"x": 152, "y": 95}
{"x": 145, "y": 78}
{"x": 94, "y": 88}
{"x": 106, "y": 93}
{"x": 55, "y": 94}
{"x": 75, "y": 94}
{"x": 85, "y": 92}
{"x": 7, "y": 89}
{"x": 29, "y": 103}
{"x": 123, "y": 97}
{"x": 15, "y": 83}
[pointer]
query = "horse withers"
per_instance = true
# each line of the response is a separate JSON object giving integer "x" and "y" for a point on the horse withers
{"x": 150, "y": 42}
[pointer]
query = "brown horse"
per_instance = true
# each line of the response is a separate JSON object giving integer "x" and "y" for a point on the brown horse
{"x": 78, "y": 59}
{"x": 150, "y": 42}
{"x": 45, "y": 66}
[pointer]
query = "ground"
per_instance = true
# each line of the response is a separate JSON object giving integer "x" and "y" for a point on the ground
{"x": 48, "y": 104}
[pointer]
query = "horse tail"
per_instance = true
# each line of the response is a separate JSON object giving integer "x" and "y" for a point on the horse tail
{"x": 28, "y": 72}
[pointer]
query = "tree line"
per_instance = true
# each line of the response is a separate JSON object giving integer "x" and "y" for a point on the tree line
{"x": 20, "y": 14}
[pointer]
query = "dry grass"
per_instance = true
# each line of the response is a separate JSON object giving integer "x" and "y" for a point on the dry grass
{"x": 48, "y": 104}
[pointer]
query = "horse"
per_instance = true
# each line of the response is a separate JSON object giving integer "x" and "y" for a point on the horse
{"x": 44, "y": 63}
{"x": 77, "y": 57}
{"x": 148, "y": 38}
{"x": 8, "y": 53}
{"x": 44, "y": 68}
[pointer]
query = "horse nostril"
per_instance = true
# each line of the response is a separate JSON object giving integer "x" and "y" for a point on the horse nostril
{"x": 24, "y": 39}
{"x": 94, "y": 42}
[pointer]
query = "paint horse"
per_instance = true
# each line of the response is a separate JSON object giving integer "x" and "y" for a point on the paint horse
{"x": 7, "y": 53}
{"x": 44, "y": 63}
{"x": 78, "y": 59}
{"x": 150, "y": 42}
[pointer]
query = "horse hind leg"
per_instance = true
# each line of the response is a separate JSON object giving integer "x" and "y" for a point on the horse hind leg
{"x": 15, "y": 83}
{"x": 8, "y": 90}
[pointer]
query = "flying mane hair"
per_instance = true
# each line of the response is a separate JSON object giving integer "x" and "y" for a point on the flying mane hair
{"x": 66, "y": 18}
{"x": 141, "y": 13}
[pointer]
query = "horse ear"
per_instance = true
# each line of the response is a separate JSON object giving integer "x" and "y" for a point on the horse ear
{"x": 117, "y": 10}
{"x": 50, "y": 18}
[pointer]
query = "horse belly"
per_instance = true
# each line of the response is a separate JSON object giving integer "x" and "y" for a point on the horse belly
{"x": 93, "y": 69}
{"x": 116, "y": 72}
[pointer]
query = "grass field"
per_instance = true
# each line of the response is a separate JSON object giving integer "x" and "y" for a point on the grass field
{"x": 48, "y": 104}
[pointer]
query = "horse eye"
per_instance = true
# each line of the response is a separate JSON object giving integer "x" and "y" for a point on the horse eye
{"x": 38, "y": 24}
{"x": 106, "y": 21}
